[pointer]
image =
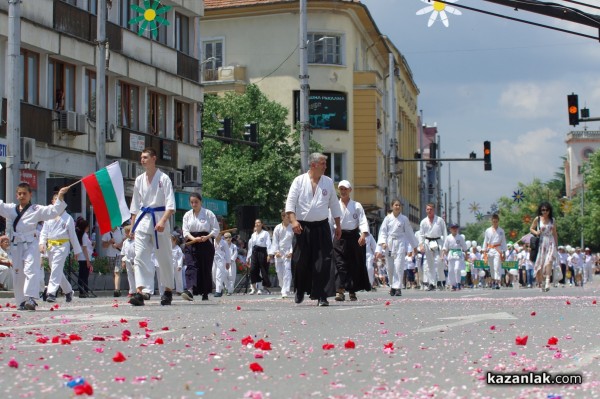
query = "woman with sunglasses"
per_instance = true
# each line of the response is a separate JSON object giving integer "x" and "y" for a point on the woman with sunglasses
{"x": 543, "y": 226}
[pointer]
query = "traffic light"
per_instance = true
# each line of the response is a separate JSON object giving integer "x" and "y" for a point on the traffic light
{"x": 487, "y": 155}
{"x": 251, "y": 133}
{"x": 573, "y": 101}
{"x": 226, "y": 128}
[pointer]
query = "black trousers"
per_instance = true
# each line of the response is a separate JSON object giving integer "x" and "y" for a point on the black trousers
{"x": 83, "y": 277}
{"x": 198, "y": 260}
{"x": 312, "y": 268}
{"x": 350, "y": 261}
{"x": 259, "y": 267}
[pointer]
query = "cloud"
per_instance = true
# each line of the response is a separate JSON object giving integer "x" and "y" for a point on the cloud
{"x": 531, "y": 100}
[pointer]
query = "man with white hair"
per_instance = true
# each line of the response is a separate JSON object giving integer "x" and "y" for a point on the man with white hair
{"x": 309, "y": 201}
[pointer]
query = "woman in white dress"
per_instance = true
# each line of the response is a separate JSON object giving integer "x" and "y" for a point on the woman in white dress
{"x": 543, "y": 226}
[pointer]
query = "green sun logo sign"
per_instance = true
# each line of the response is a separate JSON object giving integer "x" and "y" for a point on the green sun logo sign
{"x": 150, "y": 17}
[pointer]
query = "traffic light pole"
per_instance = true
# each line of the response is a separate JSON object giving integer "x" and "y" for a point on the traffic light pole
{"x": 436, "y": 159}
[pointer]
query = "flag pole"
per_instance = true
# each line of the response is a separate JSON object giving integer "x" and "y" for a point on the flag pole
{"x": 77, "y": 182}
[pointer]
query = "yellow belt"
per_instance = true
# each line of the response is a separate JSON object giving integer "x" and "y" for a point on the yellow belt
{"x": 57, "y": 242}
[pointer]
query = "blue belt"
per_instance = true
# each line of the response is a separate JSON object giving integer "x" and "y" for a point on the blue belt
{"x": 150, "y": 210}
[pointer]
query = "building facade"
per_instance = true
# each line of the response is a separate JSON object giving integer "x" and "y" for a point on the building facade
{"x": 363, "y": 99}
{"x": 580, "y": 145}
{"x": 153, "y": 92}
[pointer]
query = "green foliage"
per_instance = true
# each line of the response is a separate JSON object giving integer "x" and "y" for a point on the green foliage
{"x": 241, "y": 174}
{"x": 589, "y": 221}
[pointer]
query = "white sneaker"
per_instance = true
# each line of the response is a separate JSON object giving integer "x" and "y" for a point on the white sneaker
{"x": 252, "y": 291}
{"x": 259, "y": 292}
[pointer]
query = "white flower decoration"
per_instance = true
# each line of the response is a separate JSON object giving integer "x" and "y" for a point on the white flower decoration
{"x": 438, "y": 8}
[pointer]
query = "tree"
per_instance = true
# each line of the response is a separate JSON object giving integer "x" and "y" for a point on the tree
{"x": 589, "y": 221}
{"x": 241, "y": 174}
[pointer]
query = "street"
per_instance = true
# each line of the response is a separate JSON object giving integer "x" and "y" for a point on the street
{"x": 423, "y": 344}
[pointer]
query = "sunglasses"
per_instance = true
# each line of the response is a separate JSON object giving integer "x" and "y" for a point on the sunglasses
{"x": 544, "y": 210}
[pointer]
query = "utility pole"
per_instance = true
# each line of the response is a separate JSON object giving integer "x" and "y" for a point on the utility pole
{"x": 458, "y": 205}
{"x": 449, "y": 220}
{"x": 13, "y": 114}
{"x": 392, "y": 149}
{"x": 304, "y": 90}
{"x": 101, "y": 56}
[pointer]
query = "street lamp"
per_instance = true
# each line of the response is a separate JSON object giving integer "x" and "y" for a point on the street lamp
{"x": 206, "y": 61}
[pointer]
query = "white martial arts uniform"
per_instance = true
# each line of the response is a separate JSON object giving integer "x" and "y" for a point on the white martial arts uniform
{"x": 147, "y": 196}
{"x": 371, "y": 248}
{"x": 5, "y": 271}
{"x": 177, "y": 254}
{"x": 55, "y": 237}
{"x": 432, "y": 234}
{"x": 397, "y": 234}
{"x": 222, "y": 258}
{"x": 281, "y": 251}
{"x": 232, "y": 272}
{"x": 495, "y": 243}
{"x": 454, "y": 246}
{"x": 128, "y": 256}
{"x": 27, "y": 271}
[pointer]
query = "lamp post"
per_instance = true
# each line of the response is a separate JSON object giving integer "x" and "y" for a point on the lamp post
{"x": 304, "y": 89}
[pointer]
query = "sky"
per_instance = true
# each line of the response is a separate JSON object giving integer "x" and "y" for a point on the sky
{"x": 488, "y": 78}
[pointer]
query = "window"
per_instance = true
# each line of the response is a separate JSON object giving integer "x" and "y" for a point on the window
{"x": 157, "y": 114}
{"x": 128, "y": 100}
{"x": 161, "y": 34}
{"x": 213, "y": 48}
{"x": 29, "y": 63}
{"x": 335, "y": 166}
{"x": 324, "y": 49}
{"x": 90, "y": 94}
{"x": 182, "y": 122}
{"x": 126, "y": 14}
{"x": 93, "y": 7}
{"x": 182, "y": 33}
{"x": 61, "y": 86}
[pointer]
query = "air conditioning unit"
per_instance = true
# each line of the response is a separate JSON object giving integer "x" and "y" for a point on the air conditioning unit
{"x": 190, "y": 174}
{"x": 176, "y": 178}
{"x": 133, "y": 170}
{"x": 82, "y": 123}
{"x": 124, "y": 165}
{"x": 67, "y": 120}
{"x": 27, "y": 149}
{"x": 232, "y": 73}
{"x": 140, "y": 169}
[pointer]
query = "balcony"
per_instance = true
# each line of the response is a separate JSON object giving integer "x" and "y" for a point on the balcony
{"x": 188, "y": 67}
{"x": 133, "y": 142}
{"x": 36, "y": 122}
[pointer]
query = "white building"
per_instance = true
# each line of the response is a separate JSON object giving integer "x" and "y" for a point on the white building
{"x": 580, "y": 145}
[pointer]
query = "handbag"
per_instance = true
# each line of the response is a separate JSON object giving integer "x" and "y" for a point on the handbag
{"x": 534, "y": 245}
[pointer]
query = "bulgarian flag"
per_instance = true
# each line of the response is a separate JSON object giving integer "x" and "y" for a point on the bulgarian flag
{"x": 107, "y": 194}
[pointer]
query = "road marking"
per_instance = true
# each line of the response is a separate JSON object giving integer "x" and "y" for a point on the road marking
{"x": 470, "y": 319}
{"x": 67, "y": 319}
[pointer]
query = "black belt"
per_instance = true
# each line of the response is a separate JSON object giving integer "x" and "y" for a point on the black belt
{"x": 355, "y": 232}
{"x": 316, "y": 223}
{"x": 432, "y": 238}
{"x": 259, "y": 249}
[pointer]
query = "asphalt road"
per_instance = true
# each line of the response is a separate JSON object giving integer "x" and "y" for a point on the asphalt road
{"x": 420, "y": 345}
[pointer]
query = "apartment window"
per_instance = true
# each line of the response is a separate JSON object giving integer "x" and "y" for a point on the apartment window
{"x": 128, "y": 101}
{"x": 324, "y": 49}
{"x": 29, "y": 63}
{"x": 213, "y": 48}
{"x": 157, "y": 114}
{"x": 126, "y": 14}
{"x": 182, "y": 122}
{"x": 335, "y": 166}
{"x": 161, "y": 34}
{"x": 182, "y": 33}
{"x": 93, "y": 7}
{"x": 61, "y": 85}
{"x": 90, "y": 94}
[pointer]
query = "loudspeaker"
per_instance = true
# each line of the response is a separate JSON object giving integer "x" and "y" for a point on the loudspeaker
{"x": 245, "y": 216}
{"x": 72, "y": 198}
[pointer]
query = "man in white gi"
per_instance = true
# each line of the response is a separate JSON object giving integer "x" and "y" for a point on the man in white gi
{"x": 494, "y": 246}
{"x": 311, "y": 197}
{"x": 371, "y": 246}
{"x": 24, "y": 218}
{"x": 432, "y": 234}
{"x": 222, "y": 263}
{"x": 232, "y": 272}
{"x": 112, "y": 242}
{"x": 454, "y": 247}
{"x": 281, "y": 251}
{"x": 349, "y": 252}
{"x": 152, "y": 205}
{"x": 395, "y": 237}
{"x": 54, "y": 241}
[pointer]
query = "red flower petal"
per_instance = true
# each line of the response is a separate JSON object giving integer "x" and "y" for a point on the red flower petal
{"x": 98, "y": 339}
{"x": 256, "y": 367}
{"x": 328, "y": 347}
{"x": 126, "y": 332}
{"x": 159, "y": 341}
{"x": 521, "y": 340}
{"x": 13, "y": 363}
{"x": 389, "y": 345}
{"x": 247, "y": 340}
{"x": 119, "y": 357}
{"x": 262, "y": 344}
{"x": 165, "y": 328}
{"x": 594, "y": 302}
{"x": 387, "y": 303}
{"x": 533, "y": 313}
{"x": 123, "y": 320}
{"x": 568, "y": 302}
{"x": 238, "y": 308}
{"x": 65, "y": 341}
{"x": 492, "y": 328}
{"x": 124, "y": 337}
{"x": 55, "y": 339}
{"x": 83, "y": 389}
{"x": 143, "y": 324}
{"x": 349, "y": 344}
{"x": 42, "y": 340}
{"x": 74, "y": 337}
{"x": 552, "y": 341}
